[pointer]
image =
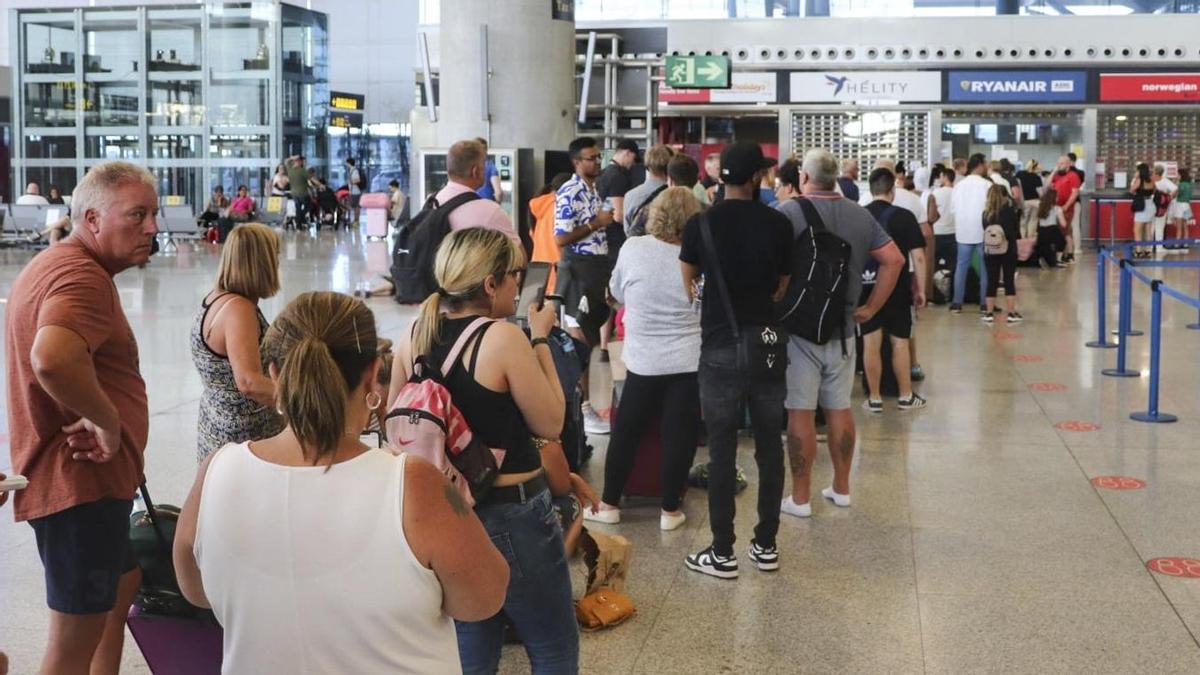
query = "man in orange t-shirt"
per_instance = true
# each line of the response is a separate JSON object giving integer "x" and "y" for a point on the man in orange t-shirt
{"x": 78, "y": 417}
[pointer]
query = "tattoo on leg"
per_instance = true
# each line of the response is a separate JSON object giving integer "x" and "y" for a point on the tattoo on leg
{"x": 796, "y": 455}
{"x": 456, "y": 501}
{"x": 846, "y": 447}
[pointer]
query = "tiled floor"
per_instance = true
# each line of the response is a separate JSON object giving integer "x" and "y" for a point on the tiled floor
{"x": 976, "y": 542}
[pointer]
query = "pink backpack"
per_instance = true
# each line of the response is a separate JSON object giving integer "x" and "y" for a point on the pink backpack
{"x": 424, "y": 421}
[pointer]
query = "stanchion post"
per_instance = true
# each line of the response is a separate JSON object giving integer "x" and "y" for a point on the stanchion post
{"x": 1101, "y": 302}
{"x": 1125, "y": 314}
{"x": 1124, "y": 309}
{"x": 1195, "y": 326}
{"x": 1152, "y": 414}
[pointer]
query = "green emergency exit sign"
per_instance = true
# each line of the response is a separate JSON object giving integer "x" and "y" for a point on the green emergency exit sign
{"x": 698, "y": 72}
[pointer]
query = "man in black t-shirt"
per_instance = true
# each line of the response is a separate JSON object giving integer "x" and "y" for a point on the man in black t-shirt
{"x": 613, "y": 183}
{"x": 896, "y": 316}
{"x": 752, "y": 244}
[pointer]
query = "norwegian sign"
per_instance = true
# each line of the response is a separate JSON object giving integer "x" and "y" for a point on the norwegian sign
{"x": 745, "y": 87}
{"x": 1017, "y": 86}
{"x": 1149, "y": 87}
{"x": 698, "y": 72}
{"x": 851, "y": 86}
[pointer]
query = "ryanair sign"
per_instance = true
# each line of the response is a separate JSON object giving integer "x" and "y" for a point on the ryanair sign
{"x": 1017, "y": 86}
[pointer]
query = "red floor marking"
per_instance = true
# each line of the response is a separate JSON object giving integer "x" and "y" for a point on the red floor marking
{"x": 1047, "y": 386}
{"x": 1186, "y": 568}
{"x": 1076, "y": 425}
{"x": 1118, "y": 483}
{"x": 1027, "y": 358}
{"x": 1006, "y": 335}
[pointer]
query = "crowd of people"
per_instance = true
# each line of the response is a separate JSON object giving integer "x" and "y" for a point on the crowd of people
{"x": 368, "y": 557}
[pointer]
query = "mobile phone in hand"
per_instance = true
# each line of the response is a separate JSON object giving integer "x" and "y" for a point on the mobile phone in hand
{"x": 533, "y": 289}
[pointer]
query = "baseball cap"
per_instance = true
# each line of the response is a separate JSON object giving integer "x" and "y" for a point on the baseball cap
{"x": 741, "y": 160}
{"x": 629, "y": 145}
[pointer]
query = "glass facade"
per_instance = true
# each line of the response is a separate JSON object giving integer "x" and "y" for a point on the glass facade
{"x": 204, "y": 94}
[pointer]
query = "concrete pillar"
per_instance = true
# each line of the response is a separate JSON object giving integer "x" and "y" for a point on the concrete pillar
{"x": 532, "y": 86}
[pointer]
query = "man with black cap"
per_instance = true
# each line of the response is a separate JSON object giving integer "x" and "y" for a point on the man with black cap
{"x": 747, "y": 260}
{"x": 613, "y": 183}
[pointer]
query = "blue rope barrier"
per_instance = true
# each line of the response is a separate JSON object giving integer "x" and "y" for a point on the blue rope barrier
{"x": 1152, "y": 413}
{"x": 1185, "y": 299}
{"x": 1166, "y": 263}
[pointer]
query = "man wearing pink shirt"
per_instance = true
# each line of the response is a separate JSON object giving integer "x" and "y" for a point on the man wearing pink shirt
{"x": 465, "y": 164}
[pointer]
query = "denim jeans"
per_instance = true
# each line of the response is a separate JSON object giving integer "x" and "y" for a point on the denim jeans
{"x": 538, "y": 602}
{"x": 965, "y": 253}
{"x": 723, "y": 391}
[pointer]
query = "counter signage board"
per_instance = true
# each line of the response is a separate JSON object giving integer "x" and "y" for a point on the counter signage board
{"x": 758, "y": 87}
{"x": 882, "y": 86}
{"x": 1149, "y": 87}
{"x": 1017, "y": 86}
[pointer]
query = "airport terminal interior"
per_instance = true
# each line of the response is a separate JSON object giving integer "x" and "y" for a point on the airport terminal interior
{"x": 1029, "y": 507}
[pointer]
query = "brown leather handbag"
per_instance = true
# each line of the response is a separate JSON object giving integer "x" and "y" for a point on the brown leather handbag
{"x": 603, "y": 609}
{"x": 606, "y": 561}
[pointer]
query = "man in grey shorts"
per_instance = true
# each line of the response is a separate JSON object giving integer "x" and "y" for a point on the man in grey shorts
{"x": 823, "y": 375}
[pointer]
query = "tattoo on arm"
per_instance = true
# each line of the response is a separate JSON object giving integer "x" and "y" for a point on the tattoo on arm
{"x": 456, "y": 501}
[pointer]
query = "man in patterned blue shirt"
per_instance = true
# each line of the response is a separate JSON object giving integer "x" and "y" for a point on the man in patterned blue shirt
{"x": 584, "y": 268}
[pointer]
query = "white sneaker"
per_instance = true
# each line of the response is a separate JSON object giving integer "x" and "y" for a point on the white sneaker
{"x": 593, "y": 423}
{"x": 606, "y": 516}
{"x": 838, "y": 499}
{"x": 793, "y": 509}
{"x": 668, "y": 522}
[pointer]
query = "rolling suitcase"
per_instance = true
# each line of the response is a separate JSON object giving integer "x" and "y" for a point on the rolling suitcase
{"x": 174, "y": 636}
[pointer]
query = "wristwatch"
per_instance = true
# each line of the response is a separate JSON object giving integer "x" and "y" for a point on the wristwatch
{"x": 539, "y": 341}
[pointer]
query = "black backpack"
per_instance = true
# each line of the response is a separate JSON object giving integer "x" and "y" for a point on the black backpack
{"x": 416, "y": 245}
{"x": 814, "y": 307}
{"x": 641, "y": 215}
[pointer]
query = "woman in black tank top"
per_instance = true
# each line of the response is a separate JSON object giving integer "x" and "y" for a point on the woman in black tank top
{"x": 506, "y": 386}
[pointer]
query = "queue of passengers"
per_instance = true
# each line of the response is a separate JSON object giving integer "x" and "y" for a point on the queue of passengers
{"x": 394, "y": 570}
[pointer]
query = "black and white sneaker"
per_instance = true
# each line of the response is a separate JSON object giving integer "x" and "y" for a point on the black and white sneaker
{"x": 873, "y": 406}
{"x": 708, "y": 562}
{"x": 765, "y": 559}
{"x": 988, "y": 317}
{"x": 912, "y": 403}
{"x": 1014, "y": 317}
{"x": 956, "y": 309}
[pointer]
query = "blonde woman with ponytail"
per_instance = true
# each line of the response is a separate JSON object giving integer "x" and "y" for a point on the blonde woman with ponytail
{"x": 507, "y": 388}
{"x": 313, "y": 540}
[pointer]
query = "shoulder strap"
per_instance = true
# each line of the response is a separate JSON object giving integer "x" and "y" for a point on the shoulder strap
{"x": 811, "y": 215}
{"x": 463, "y": 338}
{"x": 458, "y": 200}
{"x": 642, "y": 207}
{"x": 711, "y": 249}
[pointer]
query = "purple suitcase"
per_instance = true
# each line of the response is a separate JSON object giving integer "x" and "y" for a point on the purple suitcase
{"x": 175, "y": 646}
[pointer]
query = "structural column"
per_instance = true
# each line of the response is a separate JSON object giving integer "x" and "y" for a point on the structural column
{"x": 530, "y": 94}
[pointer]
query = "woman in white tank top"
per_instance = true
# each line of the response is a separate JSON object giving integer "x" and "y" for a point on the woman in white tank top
{"x": 318, "y": 554}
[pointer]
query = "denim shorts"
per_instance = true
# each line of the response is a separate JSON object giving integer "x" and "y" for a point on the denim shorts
{"x": 819, "y": 375}
{"x": 85, "y": 550}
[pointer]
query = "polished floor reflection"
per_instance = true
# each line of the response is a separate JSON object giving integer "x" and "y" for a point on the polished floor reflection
{"x": 977, "y": 541}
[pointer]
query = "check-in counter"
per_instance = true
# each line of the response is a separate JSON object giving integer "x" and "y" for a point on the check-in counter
{"x": 1111, "y": 217}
